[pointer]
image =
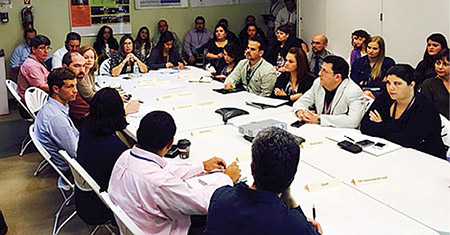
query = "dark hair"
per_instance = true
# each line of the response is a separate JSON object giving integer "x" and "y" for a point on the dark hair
{"x": 403, "y": 71}
{"x": 156, "y": 130}
{"x": 435, "y": 37}
{"x": 302, "y": 61}
{"x": 223, "y": 22}
{"x": 275, "y": 158}
{"x": 248, "y": 17}
{"x": 362, "y": 34}
{"x": 225, "y": 28}
{"x": 261, "y": 41}
{"x": 99, "y": 43}
{"x": 287, "y": 29}
{"x": 442, "y": 55}
{"x": 28, "y": 30}
{"x": 106, "y": 112}
{"x": 39, "y": 40}
{"x": 138, "y": 41}
{"x": 72, "y": 36}
{"x": 340, "y": 66}
{"x": 67, "y": 58}
{"x": 233, "y": 51}
{"x": 122, "y": 41}
{"x": 57, "y": 76}
{"x": 166, "y": 37}
{"x": 200, "y": 18}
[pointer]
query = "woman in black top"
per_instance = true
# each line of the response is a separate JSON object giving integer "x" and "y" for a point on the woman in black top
{"x": 231, "y": 56}
{"x": 215, "y": 47}
{"x": 285, "y": 40}
{"x": 99, "y": 147}
{"x": 437, "y": 89}
{"x": 165, "y": 55}
{"x": 105, "y": 44}
{"x": 124, "y": 60}
{"x": 404, "y": 117}
{"x": 425, "y": 69}
{"x": 142, "y": 43}
{"x": 296, "y": 78}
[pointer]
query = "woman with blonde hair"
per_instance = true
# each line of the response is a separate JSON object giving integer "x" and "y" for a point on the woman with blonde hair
{"x": 369, "y": 71}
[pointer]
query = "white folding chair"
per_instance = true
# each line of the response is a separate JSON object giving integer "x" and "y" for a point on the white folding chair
{"x": 445, "y": 133}
{"x": 63, "y": 182}
{"x": 83, "y": 181}
{"x": 12, "y": 87}
{"x": 35, "y": 98}
{"x": 105, "y": 67}
{"x": 126, "y": 225}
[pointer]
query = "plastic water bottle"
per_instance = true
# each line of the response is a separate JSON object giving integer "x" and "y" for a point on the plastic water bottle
{"x": 135, "y": 70}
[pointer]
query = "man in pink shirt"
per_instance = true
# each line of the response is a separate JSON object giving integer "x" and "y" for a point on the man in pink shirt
{"x": 160, "y": 195}
{"x": 33, "y": 71}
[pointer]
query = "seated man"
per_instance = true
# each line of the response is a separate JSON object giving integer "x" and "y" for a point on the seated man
{"x": 338, "y": 101}
{"x": 318, "y": 53}
{"x": 33, "y": 71}
{"x": 256, "y": 74}
{"x": 22, "y": 51}
{"x": 160, "y": 195}
{"x": 195, "y": 39}
{"x": 72, "y": 43}
{"x": 53, "y": 127}
{"x": 258, "y": 209}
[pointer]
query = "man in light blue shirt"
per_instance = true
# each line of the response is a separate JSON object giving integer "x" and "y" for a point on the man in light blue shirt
{"x": 22, "y": 51}
{"x": 54, "y": 128}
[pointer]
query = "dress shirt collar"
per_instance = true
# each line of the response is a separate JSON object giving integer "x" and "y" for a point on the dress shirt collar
{"x": 252, "y": 67}
{"x": 146, "y": 155}
{"x": 200, "y": 31}
{"x": 58, "y": 105}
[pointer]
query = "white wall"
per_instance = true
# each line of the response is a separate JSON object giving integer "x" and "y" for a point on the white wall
{"x": 405, "y": 26}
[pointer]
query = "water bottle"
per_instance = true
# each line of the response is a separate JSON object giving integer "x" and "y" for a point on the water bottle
{"x": 135, "y": 70}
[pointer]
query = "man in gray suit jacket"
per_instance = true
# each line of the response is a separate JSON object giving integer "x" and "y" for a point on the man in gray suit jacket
{"x": 338, "y": 101}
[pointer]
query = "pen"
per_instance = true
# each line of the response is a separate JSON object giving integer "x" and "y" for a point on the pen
{"x": 314, "y": 212}
{"x": 352, "y": 140}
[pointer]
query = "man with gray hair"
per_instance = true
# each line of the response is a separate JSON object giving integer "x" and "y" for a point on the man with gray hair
{"x": 318, "y": 52}
{"x": 275, "y": 158}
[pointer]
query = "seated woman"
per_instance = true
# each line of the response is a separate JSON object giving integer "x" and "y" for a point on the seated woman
{"x": 215, "y": 47}
{"x": 231, "y": 56}
{"x": 425, "y": 69}
{"x": 404, "y": 117}
{"x": 105, "y": 44}
{"x": 142, "y": 44}
{"x": 99, "y": 147}
{"x": 369, "y": 71}
{"x": 280, "y": 48}
{"x": 124, "y": 60}
{"x": 79, "y": 108}
{"x": 165, "y": 55}
{"x": 251, "y": 32}
{"x": 296, "y": 79}
{"x": 437, "y": 89}
{"x": 360, "y": 38}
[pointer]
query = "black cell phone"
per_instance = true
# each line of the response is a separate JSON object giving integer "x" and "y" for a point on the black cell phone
{"x": 126, "y": 78}
{"x": 379, "y": 145}
{"x": 349, "y": 146}
{"x": 365, "y": 143}
{"x": 298, "y": 124}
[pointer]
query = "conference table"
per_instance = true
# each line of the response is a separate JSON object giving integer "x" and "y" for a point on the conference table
{"x": 400, "y": 192}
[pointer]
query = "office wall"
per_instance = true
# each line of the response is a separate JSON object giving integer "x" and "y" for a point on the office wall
{"x": 52, "y": 19}
{"x": 405, "y": 26}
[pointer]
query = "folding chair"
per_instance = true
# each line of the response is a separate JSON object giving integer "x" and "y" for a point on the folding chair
{"x": 126, "y": 225}
{"x": 63, "y": 182}
{"x": 105, "y": 67}
{"x": 35, "y": 98}
{"x": 84, "y": 182}
{"x": 12, "y": 87}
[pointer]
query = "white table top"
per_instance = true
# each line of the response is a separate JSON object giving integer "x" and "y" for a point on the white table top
{"x": 414, "y": 199}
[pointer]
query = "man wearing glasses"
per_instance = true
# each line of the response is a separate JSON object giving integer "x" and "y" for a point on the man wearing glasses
{"x": 33, "y": 72}
{"x": 318, "y": 52}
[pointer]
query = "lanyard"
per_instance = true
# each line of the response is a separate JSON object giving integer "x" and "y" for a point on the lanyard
{"x": 142, "y": 158}
{"x": 407, "y": 107}
{"x": 249, "y": 76}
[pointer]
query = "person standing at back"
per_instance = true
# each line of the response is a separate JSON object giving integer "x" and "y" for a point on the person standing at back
{"x": 318, "y": 52}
